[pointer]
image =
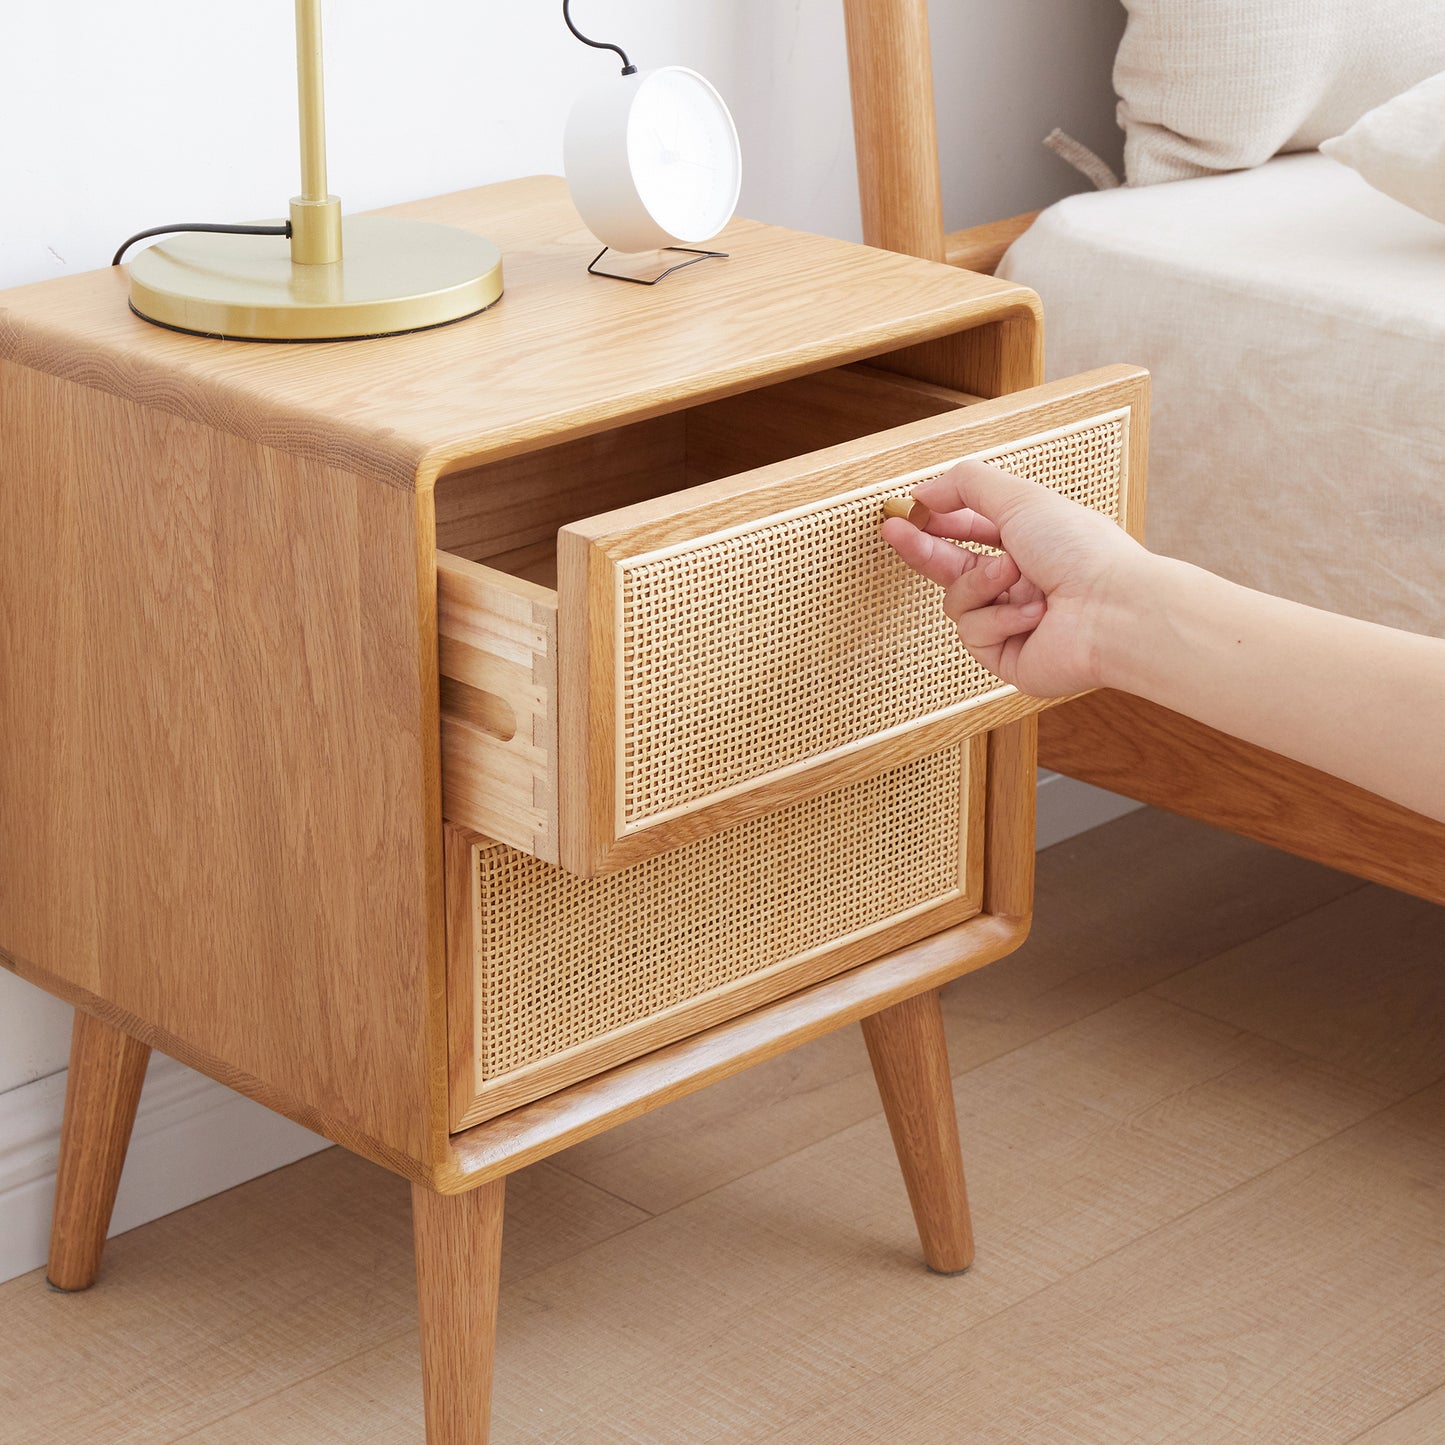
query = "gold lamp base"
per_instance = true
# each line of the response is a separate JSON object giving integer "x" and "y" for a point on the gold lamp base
{"x": 394, "y": 275}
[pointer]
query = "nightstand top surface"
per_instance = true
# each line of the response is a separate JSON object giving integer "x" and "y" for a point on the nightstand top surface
{"x": 562, "y": 354}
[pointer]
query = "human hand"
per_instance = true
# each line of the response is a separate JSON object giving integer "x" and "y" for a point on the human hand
{"x": 1036, "y": 617}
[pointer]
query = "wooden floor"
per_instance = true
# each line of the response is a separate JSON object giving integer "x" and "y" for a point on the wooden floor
{"x": 1204, "y": 1121}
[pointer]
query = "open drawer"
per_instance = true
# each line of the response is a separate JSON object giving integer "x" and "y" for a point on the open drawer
{"x": 722, "y": 650}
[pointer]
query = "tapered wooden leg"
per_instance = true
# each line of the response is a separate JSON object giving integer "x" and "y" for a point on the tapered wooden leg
{"x": 910, "y": 1062}
{"x": 107, "y": 1069}
{"x": 458, "y": 1268}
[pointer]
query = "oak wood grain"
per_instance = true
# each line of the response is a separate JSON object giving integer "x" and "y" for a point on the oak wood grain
{"x": 102, "y": 1090}
{"x": 1004, "y": 355}
{"x": 666, "y": 521}
{"x": 890, "y": 75}
{"x": 498, "y": 643}
{"x": 223, "y": 584}
{"x": 497, "y": 648}
{"x": 507, "y": 513}
{"x": 760, "y": 428}
{"x": 220, "y": 664}
{"x": 458, "y": 1275}
{"x": 1147, "y": 752}
{"x": 1094, "y": 1136}
{"x": 462, "y": 1011}
{"x": 499, "y": 508}
{"x": 1011, "y": 820}
{"x": 535, "y": 1131}
{"x": 890, "y": 71}
{"x": 218, "y": 705}
{"x": 525, "y": 373}
{"x": 909, "y": 1055}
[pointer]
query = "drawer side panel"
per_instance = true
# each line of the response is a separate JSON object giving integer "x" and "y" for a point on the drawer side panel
{"x": 497, "y": 652}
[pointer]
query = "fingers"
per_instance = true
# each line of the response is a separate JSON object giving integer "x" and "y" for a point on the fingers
{"x": 979, "y": 586}
{"x": 970, "y": 580}
{"x": 962, "y": 526}
{"x": 987, "y": 627}
{"x": 987, "y": 598}
{"x": 985, "y": 492}
{"x": 939, "y": 561}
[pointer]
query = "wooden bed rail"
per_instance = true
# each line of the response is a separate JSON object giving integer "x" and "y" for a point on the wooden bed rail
{"x": 981, "y": 248}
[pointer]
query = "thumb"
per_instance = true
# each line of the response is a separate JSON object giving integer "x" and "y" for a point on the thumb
{"x": 984, "y": 489}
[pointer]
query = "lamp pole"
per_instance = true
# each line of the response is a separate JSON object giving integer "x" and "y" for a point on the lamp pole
{"x": 315, "y": 213}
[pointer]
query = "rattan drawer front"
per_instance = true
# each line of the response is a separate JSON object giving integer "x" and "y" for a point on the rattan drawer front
{"x": 561, "y": 977}
{"x": 728, "y": 646}
{"x": 728, "y": 649}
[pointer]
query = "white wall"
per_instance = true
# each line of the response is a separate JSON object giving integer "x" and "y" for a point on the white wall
{"x": 167, "y": 110}
{"x": 117, "y": 116}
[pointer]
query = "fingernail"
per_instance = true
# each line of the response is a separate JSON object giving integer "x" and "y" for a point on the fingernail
{"x": 994, "y": 568}
{"x": 1032, "y": 609}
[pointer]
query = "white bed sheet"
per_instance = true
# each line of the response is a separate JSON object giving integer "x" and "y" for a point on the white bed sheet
{"x": 1294, "y": 322}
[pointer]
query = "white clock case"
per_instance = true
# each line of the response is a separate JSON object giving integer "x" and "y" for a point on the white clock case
{"x": 599, "y": 174}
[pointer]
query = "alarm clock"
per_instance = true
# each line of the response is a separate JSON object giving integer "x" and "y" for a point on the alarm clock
{"x": 652, "y": 159}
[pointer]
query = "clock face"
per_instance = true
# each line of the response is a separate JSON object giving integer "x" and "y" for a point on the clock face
{"x": 682, "y": 150}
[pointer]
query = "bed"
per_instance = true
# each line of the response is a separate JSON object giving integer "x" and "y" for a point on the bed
{"x": 1293, "y": 320}
{"x": 1294, "y": 323}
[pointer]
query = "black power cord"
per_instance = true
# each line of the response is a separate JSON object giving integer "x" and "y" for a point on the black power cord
{"x": 628, "y": 68}
{"x": 200, "y": 226}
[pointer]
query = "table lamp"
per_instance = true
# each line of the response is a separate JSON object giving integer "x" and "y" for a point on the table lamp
{"x": 318, "y": 277}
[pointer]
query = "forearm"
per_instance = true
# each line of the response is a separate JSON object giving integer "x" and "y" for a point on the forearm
{"x": 1364, "y": 702}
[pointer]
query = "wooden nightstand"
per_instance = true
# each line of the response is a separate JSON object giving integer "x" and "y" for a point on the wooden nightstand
{"x": 594, "y": 578}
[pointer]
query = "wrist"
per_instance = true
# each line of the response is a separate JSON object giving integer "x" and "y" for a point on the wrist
{"x": 1137, "y": 606}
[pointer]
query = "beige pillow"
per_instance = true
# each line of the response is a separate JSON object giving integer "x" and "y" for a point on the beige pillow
{"x": 1399, "y": 147}
{"x": 1219, "y": 85}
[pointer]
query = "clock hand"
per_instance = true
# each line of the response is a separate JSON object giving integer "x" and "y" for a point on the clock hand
{"x": 668, "y": 154}
{"x": 674, "y": 157}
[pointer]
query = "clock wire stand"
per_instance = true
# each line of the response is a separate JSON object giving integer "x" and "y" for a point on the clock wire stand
{"x": 592, "y": 269}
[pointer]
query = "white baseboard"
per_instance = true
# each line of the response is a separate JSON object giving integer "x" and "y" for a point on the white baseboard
{"x": 1068, "y": 807}
{"x": 194, "y": 1137}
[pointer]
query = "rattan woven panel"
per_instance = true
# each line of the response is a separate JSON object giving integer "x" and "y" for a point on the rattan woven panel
{"x": 562, "y": 960}
{"x": 748, "y": 653}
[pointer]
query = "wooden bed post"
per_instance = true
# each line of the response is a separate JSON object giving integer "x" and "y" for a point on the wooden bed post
{"x": 895, "y": 131}
{"x": 890, "y": 71}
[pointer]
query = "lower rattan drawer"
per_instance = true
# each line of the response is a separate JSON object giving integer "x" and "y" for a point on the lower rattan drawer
{"x": 555, "y": 978}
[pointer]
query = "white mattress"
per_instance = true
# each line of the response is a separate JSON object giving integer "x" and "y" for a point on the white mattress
{"x": 1294, "y": 322}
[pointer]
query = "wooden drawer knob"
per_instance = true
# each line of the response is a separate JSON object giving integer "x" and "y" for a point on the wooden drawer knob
{"x": 906, "y": 507}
